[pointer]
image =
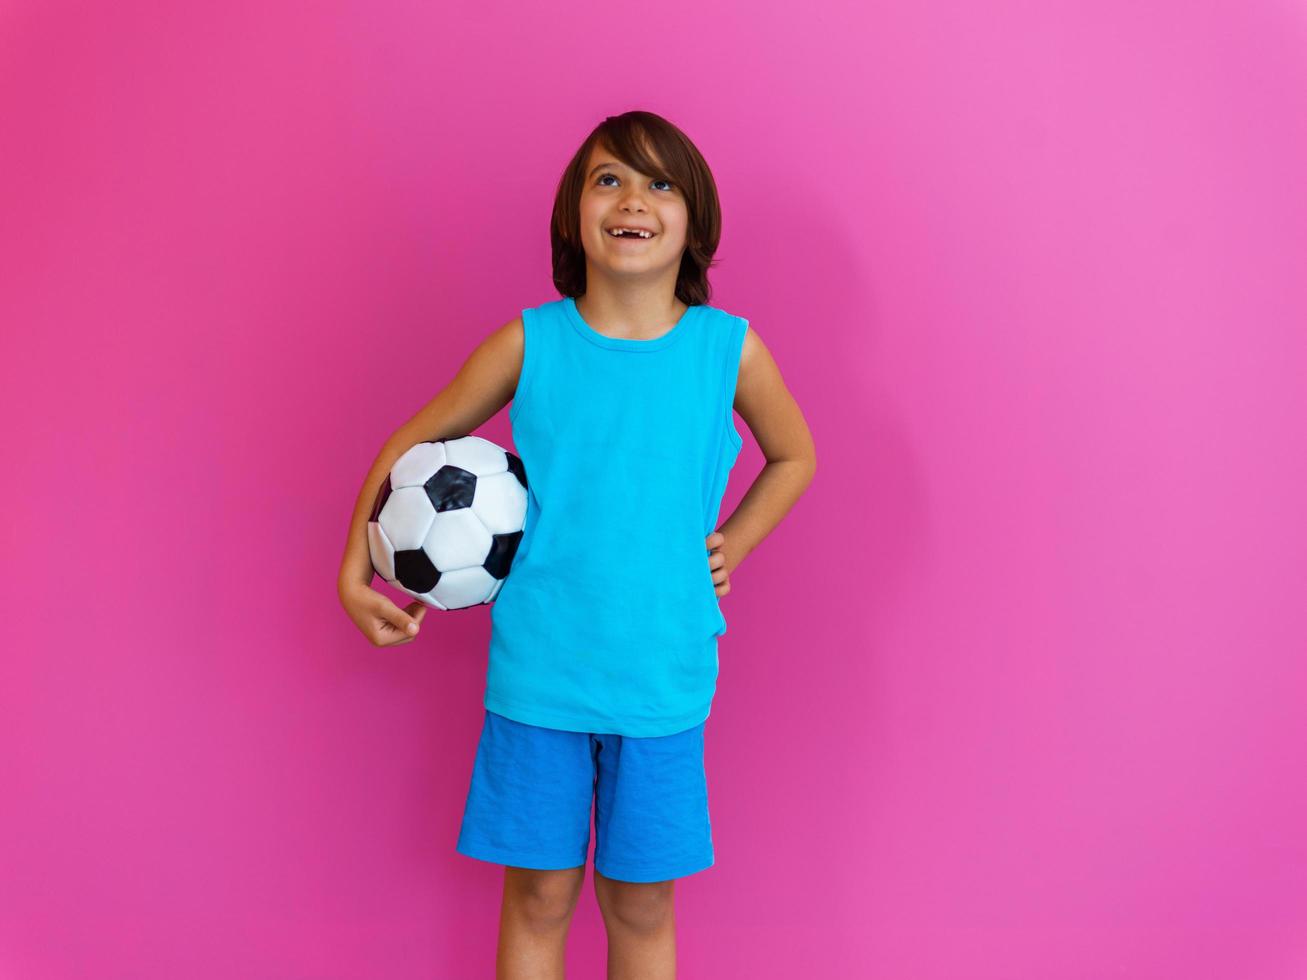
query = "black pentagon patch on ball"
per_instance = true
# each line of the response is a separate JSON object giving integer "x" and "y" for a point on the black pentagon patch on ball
{"x": 502, "y": 549}
{"x": 383, "y": 494}
{"x": 414, "y": 571}
{"x": 450, "y": 488}
{"x": 516, "y": 468}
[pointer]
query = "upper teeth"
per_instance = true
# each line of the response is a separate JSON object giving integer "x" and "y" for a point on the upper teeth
{"x": 642, "y": 234}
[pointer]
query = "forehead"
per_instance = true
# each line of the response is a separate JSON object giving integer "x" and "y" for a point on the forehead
{"x": 599, "y": 157}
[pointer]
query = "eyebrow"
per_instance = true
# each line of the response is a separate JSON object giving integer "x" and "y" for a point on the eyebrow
{"x": 608, "y": 163}
{"x": 611, "y": 164}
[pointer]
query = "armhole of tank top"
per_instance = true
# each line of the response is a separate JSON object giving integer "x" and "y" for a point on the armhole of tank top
{"x": 732, "y": 378}
{"x": 528, "y": 358}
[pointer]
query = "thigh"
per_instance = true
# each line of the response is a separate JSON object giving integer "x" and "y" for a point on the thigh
{"x": 651, "y": 807}
{"x": 529, "y": 801}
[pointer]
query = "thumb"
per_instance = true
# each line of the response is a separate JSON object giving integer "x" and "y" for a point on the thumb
{"x": 413, "y": 614}
{"x": 400, "y": 619}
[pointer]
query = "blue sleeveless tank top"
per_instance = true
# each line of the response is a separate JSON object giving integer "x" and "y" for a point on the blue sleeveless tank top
{"x": 608, "y": 620}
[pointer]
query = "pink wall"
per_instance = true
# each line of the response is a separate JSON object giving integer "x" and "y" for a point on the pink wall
{"x": 1016, "y": 691}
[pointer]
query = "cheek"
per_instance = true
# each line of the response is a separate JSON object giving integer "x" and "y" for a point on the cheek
{"x": 678, "y": 234}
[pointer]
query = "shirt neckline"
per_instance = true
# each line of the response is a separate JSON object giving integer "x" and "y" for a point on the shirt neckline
{"x": 625, "y": 343}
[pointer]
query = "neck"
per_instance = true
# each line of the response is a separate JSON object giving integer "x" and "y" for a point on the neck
{"x": 630, "y": 309}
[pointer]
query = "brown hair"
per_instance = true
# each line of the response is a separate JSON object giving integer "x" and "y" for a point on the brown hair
{"x": 625, "y": 137}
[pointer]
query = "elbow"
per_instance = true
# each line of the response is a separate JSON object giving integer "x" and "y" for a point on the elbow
{"x": 807, "y": 466}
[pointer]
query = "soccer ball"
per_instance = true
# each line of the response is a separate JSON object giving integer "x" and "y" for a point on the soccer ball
{"x": 447, "y": 521}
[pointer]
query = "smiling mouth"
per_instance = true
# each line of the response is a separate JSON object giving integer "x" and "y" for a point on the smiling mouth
{"x": 631, "y": 236}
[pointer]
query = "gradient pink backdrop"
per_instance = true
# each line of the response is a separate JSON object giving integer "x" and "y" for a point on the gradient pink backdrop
{"x": 1016, "y": 691}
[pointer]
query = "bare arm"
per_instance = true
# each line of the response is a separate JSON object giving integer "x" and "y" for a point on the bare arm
{"x": 483, "y": 385}
{"x": 774, "y": 418}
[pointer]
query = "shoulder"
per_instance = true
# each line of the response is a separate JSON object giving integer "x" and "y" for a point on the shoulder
{"x": 725, "y": 322}
{"x": 508, "y": 338}
{"x": 753, "y": 352}
{"x": 498, "y": 357}
{"x": 541, "y": 317}
{"x": 753, "y": 349}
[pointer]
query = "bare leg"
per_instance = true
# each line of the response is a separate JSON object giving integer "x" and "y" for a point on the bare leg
{"x": 641, "y": 921}
{"x": 533, "y": 922}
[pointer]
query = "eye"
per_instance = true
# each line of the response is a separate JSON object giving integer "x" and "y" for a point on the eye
{"x": 660, "y": 180}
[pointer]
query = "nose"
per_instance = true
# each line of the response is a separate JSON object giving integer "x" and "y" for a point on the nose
{"x": 632, "y": 201}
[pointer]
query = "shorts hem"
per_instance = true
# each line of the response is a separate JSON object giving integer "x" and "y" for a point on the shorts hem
{"x": 516, "y": 859}
{"x": 620, "y": 872}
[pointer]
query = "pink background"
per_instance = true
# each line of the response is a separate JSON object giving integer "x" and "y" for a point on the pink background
{"x": 1017, "y": 689}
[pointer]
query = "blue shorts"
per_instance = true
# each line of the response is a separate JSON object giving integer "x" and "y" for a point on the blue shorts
{"x": 532, "y": 788}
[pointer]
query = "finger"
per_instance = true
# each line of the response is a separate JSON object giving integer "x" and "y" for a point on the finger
{"x": 397, "y": 618}
{"x": 387, "y": 634}
{"x": 417, "y": 610}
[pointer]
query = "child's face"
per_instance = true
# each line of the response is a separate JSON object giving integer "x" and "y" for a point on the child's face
{"x": 616, "y": 196}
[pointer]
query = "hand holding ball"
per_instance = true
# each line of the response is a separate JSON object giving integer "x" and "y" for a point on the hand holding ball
{"x": 447, "y": 521}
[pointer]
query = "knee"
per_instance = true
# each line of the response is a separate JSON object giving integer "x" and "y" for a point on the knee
{"x": 544, "y": 898}
{"x": 643, "y": 907}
